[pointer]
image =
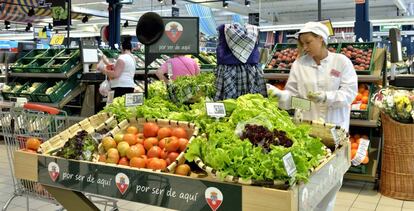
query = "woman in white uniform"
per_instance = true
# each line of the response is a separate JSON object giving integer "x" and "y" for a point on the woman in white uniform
{"x": 327, "y": 79}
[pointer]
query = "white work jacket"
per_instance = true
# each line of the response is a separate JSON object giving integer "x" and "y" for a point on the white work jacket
{"x": 335, "y": 76}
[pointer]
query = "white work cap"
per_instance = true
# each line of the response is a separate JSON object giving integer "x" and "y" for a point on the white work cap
{"x": 317, "y": 28}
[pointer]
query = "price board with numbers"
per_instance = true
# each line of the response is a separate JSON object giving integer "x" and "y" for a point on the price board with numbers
{"x": 216, "y": 110}
{"x": 289, "y": 164}
{"x": 134, "y": 99}
{"x": 300, "y": 103}
{"x": 57, "y": 39}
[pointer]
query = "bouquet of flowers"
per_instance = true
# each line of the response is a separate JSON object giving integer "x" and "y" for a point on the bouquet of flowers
{"x": 397, "y": 103}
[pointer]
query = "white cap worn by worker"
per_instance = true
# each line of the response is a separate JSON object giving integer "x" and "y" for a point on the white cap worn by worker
{"x": 317, "y": 28}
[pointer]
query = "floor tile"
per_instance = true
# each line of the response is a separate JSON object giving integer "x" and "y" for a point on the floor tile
{"x": 132, "y": 206}
{"x": 340, "y": 208}
{"x": 3, "y": 203}
{"x": 357, "y": 209}
{"x": 346, "y": 195}
{"x": 408, "y": 205}
{"x": 390, "y": 201}
{"x": 407, "y": 209}
{"x": 343, "y": 202}
{"x": 387, "y": 208}
{"x": 364, "y": 205}
{"x": 369, "y": 196}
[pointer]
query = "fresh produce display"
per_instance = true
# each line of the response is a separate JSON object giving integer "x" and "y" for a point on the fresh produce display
{"x": 12, "y": 88}
{"x": 283, "y": 59}
{"x": 32, "y": 145}
{"x": 208, "y": 58}
{"x": 82, "y": 146}
{"x": 50, "y": 90}
{"x": 192, "y": 88}
{"x": 360, "y": 55}
{"x": 32, "y": 88}
{"x": 355, "y": 140}
{"x": 154, "y": 148}
{"x": 362, "y": 99}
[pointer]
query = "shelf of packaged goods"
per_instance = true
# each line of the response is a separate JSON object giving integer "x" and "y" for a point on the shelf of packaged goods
{"x": 49, "y": 75}
{"x": 364, "y": 123}
{"x": 74, "y": 93}
{"x": 285, "y": 76}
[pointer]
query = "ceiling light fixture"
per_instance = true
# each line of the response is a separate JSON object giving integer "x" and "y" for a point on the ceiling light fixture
{"x": 126, "y": 24}
{"x": 174, "y": 2}
{"x": 7, "y": 24}
{"x": 31, "y": 12}
{"x": 225, "y": 4}
{"x": 161, "y": 1}
{"x": 50, "y": 26}
{"x": 85, "y": 19}
{"x": 247, "y": 3}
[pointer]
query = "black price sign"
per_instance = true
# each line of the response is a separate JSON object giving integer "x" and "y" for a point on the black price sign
{"x": 181, "y": 36}
{"x": 60, "y": 12}
{"x": 254, "y": 19}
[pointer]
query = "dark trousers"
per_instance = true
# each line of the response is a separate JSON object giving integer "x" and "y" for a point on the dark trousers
{"x": 119, "y": 91}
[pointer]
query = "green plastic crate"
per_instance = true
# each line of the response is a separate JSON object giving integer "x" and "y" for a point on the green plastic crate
{"x": 8, "y": 95}
{"x": 35, "y": 53}
{"x": 60, "y": 65}
{"x": 30, "y": 96}
{"x": 60, "y": 92}
{"x": 361, "y": 169}
{"x": 363, "y": 46}
{"x": 68, "y": 54}
{"x": 38, "y": 65}
{"x": 21, "y": 65}
{"x": 363, "y": 114}
{"x": 51, "y": 52}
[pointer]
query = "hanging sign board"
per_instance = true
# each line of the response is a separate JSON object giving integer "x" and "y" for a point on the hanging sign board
{"x": 254, "y": 19}
{"x": 60, "y": 12}
{"x": 180, "y": 36}
{"x": 175, "y": 11}
{"x": 328, "y": 24}
{"x": 57, "y": 39}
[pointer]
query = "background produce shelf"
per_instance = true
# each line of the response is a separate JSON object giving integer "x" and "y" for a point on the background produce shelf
{"x": 365, "y": 47}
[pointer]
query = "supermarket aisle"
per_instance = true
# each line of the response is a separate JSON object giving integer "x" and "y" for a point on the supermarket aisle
{"x": 354, "y": 196}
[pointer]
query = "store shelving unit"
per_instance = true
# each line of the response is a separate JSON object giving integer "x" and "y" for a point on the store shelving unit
{"x": 74, "y": 93}
{"x": 63, "y": 75}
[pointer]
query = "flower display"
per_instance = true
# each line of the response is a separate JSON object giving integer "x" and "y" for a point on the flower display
{"x": 398, "y": 103}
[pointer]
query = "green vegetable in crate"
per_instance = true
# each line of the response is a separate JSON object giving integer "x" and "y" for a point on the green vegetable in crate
{"x": 81, "y": 147}
{"x": 16, "y": 88}
{"x": 6, "y": 88}
{"x": 50, "y": 90}
{"x": 31, "y": 88}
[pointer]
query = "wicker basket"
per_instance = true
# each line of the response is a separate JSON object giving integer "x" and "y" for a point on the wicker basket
{"x": 397, "y": 169}
{"x": 91, "y": 124}
{"x": 191, "y": 129}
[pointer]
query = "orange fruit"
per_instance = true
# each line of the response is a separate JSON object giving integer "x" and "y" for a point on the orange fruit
{"x": 33, "y": 144}
{"x": 132, "y": 130}
{"x": 358, "y": 97}
{"x": 364, "y": 99}
{"x": 362, "y": 88}
{"x": 353, "y": 153}
{"x": 130, "y": 138}
{"x": 366, "y": 160}
{"x": 366, "y": 93}
{"x": 363, "y": 106}
{"x": 354, "y": 146}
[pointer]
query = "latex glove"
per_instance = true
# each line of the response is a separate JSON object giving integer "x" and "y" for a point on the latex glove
{"x": 273, "y": 91}
{"x": 317, "y": 97}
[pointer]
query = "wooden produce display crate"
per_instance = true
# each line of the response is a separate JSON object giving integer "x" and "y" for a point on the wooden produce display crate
{"x": 61, "y": 177}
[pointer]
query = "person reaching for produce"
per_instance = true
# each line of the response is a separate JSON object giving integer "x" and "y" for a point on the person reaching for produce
{"x": 180, "y": 66}
{"x": 327, "y": 79}
{"x": 122, "y": 73}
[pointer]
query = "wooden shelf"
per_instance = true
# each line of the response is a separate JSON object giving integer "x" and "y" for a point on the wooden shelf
{"x": 363, "y": 123}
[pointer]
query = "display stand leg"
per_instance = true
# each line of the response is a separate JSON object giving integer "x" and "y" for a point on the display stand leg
{"x": 71, "y": 200}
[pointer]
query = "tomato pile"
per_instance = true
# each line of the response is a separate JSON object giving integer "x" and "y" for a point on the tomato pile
{"x": 360, "y": 57}
{"x": 153, "y": 148}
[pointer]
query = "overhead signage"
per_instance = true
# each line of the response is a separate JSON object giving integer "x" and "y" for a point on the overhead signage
{"x": 175, "y": 11}
{"x": 60, "y": 12}
{"x": 254, "y": 19}
{"x": 386, "y": 28}
{"x": 57, "y": 39}
{"x": 181, "y": 36}
{"x": 328, "y": 24}
{"x": 155, "y": 189}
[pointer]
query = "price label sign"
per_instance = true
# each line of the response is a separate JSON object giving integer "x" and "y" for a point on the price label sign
{"x": 335, "y": 136}
{"x": 361, "y": 152}
{"x": 110, "y": 97}
{"x": 57, "y": 39}
{"x": 134, "y": 99}
{"x": 289, "y": 164}
{"x": 216, "y": 110}
{"x": 300, "y": 103}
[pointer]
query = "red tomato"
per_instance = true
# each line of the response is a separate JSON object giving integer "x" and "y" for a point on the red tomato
{"x": 150, "y": 142}
{"x": 173, "y": 156}
{"x": 154, "y": 152}
{"x": 138, "y": 162}
{"x": 182, "y": 142}
{"x": 164, "y": 132}
{"x": 171, "y": 144}
{"x": 161, "y": 143}
{"x": 157, "y": 164}
{"x": 164, "y": 154}
{"x": 179, "y": 132}
{"x": 150, "y": 129}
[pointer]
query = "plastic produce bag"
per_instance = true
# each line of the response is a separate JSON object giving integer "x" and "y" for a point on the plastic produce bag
{"x": 105, "y": 87}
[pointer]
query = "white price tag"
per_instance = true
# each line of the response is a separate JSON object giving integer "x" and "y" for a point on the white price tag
{"x": 18, "y": 101}
{"x": 216, "y": 110}
{"x": 116, "y": 45}
{"x": 335, "y": 136}
{"x": 134, "y": 99}
{"x": 289, "y": 164}
{"x": 110, "y": 98}
{"x": 300, "y": 103}
{"x": 361, "y": 152}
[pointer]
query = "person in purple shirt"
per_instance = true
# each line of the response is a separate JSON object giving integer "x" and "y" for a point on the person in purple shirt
{"x": 180, "y": 66}
{"x": 237, "y": 71}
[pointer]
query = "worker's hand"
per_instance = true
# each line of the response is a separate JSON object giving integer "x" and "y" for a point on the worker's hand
{"x": 100, "y": 53}
{"x": 273, "y": 91}
{"x": 317, "y": 97}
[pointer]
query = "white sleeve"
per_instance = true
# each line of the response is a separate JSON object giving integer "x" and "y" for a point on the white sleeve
{"x": 348, "y": 87}
{"x": 291, "y": 89}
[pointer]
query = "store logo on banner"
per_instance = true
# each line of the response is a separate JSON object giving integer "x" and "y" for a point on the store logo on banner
{"x": 53, "y": 169}
{"x": 122, "y": 182}
{"x": 174, "y": 30}
{"x": 214, "y": 198}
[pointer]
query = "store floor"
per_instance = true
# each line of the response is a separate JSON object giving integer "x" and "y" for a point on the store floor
{"x": 353, "y": 196}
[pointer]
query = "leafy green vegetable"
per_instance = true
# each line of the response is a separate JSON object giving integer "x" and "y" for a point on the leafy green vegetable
{"x": 192, "y": 88}
{"x": 157, "y": 88}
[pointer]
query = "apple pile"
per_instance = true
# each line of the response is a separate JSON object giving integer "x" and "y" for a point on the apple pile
{"x": 283, "y": 59}
{"x": 360, "y": 57}
{"x": 362, "y": 98}
{"x": 355, "y": 140}
{"x": 155, "y": 148}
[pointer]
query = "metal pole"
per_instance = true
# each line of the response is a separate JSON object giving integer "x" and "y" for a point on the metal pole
{"x": 319, "y": 10}
{"x": 68, "y": 23}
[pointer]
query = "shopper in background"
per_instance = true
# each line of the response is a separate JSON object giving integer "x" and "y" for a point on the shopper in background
{"x": 180, "y": 66}
{"x": 237, "y": 71}
{"x": 122, "y": 73}
{"x": 327, "y": 79}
